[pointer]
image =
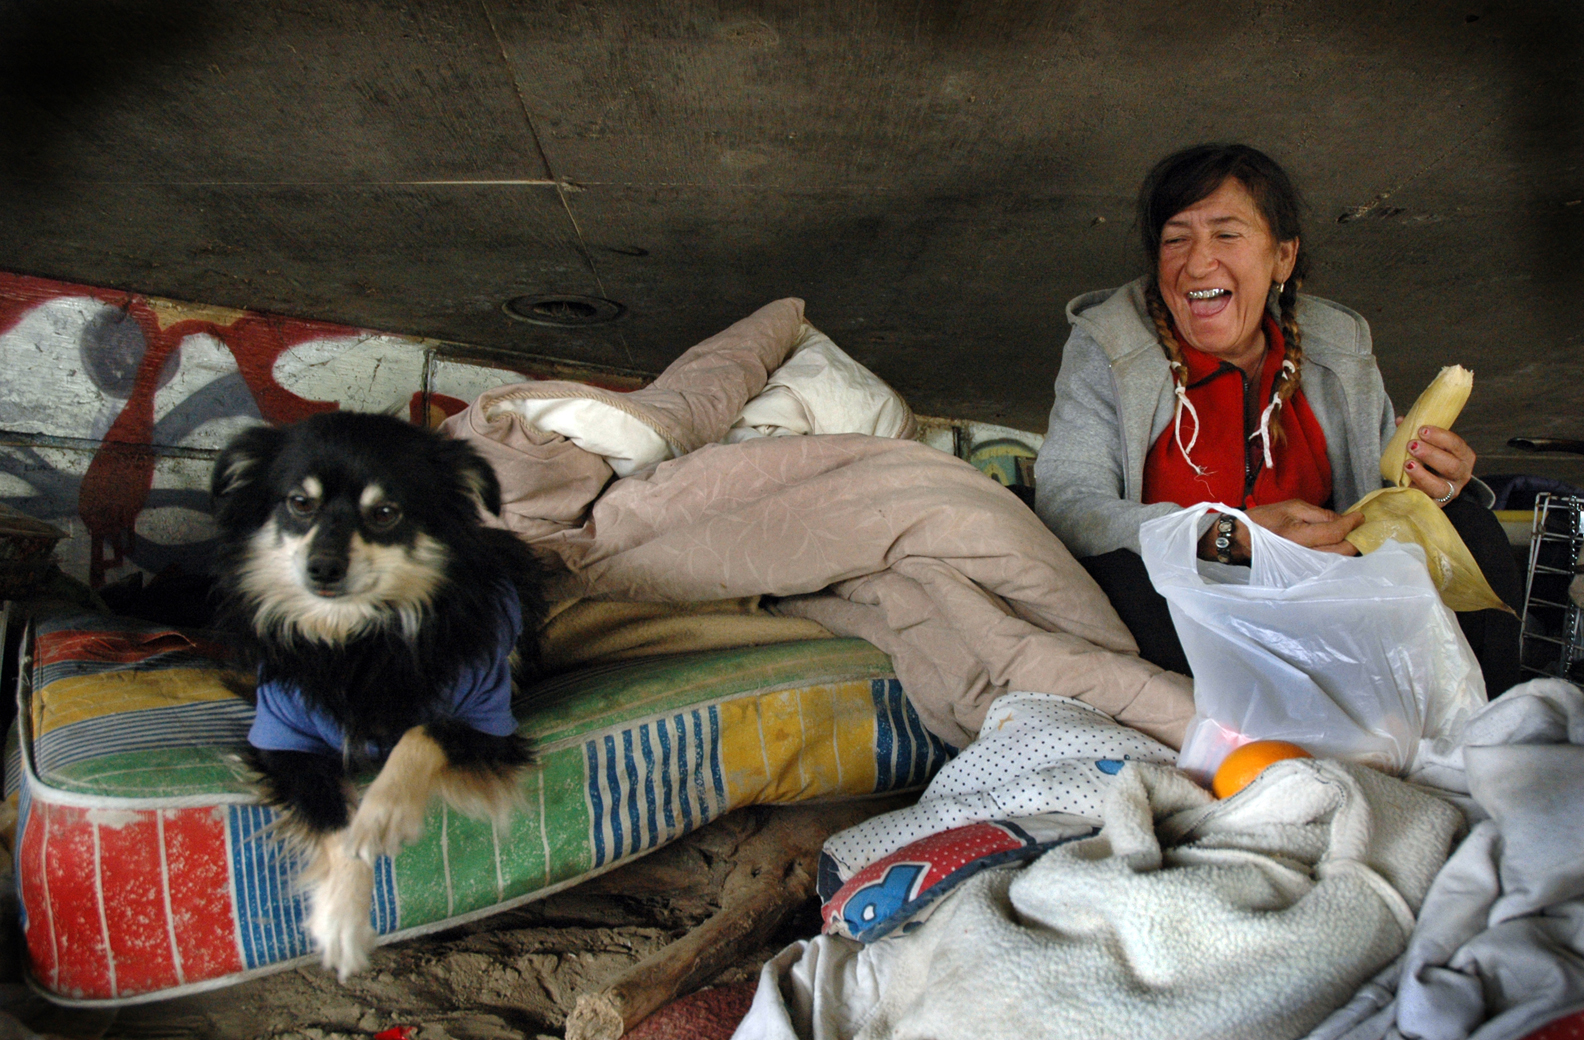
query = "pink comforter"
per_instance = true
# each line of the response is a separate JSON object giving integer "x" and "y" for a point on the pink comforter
{"x": 889, "y": 540}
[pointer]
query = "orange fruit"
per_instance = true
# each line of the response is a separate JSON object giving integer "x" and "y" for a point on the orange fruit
{"x": 1239, "y": 769}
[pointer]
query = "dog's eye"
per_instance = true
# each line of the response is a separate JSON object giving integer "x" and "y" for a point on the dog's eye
{"x": 301, "y": 505}
{"x": 384, "y": 516}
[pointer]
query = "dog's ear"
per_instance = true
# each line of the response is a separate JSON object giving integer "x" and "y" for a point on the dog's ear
{"x": 475, "y": 476}
{"x": 238, "y": 488}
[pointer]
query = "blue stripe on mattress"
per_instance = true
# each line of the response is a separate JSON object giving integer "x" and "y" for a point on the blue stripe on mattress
{"x": 885, "y": 739}
{"x": 269, "y": 923}
{"x": 385, "y": 914}
{"x": 683, "y": 801}
{"x": 596, "y": 803}
{"x": 716, "y": 773}
{"x": 271, "y": 906}
{"x": 660, "y": 770}
{"x": 906, "y": 754}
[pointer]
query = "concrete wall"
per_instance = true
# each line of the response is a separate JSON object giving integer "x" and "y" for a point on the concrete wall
{"x": 935, "y": 178}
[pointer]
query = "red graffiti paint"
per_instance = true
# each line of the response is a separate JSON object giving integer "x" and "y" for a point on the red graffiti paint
{"x": 121, "y": 474}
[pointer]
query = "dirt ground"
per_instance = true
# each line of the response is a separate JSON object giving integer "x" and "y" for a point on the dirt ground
{"x": 512, "y": 976}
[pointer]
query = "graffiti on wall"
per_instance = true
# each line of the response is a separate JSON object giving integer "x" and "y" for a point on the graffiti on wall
{"x": 114, "y": 404}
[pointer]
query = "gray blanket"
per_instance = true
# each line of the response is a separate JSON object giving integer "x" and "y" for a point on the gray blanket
{"x": 1499, "y": 947}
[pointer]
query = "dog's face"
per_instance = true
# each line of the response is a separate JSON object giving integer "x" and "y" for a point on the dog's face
{"x": 340, "y": 523}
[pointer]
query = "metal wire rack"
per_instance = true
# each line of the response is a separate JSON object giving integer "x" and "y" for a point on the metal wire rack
{"x": 1553, "y": 622}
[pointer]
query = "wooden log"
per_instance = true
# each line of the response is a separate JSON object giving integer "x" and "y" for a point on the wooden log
{"x": 775, "y": 872}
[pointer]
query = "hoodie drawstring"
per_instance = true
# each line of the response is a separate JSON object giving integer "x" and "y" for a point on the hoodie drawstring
{"x": 1288, "y": 368}
{"x": 1182, "y": 403}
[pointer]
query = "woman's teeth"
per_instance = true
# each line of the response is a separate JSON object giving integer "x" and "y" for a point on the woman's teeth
{"x": 1207, "y": 294}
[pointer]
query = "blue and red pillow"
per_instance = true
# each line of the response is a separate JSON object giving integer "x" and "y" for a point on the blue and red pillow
{"x": 897, "y": 888}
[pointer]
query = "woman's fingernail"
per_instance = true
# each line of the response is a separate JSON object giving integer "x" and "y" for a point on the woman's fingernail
{"x": 1408, "y": 466}
{"x": 1413, "y": 445}
{"x": 1424, "y": 431}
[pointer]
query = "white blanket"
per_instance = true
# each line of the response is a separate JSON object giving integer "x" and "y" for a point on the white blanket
{"x": 818, "y": 389}
{"x": 1185, "y": 917}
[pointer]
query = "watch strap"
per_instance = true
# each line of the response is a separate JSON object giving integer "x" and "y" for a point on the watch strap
{"x": 1225, "y": 525}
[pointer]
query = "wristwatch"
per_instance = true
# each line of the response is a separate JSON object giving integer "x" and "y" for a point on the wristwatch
{"x": 1224, "y": 525}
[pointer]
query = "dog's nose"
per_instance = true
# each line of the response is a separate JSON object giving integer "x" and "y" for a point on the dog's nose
{"x": 325, "y": 569}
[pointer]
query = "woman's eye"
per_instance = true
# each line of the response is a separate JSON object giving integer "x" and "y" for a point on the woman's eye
{"x": 384, "y": 515}
{"x": 301, "y": 505}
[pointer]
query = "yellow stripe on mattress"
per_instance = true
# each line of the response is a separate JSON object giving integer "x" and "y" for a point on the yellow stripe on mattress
{"x": 81, "y": 698}
{"x": 789, "y": 745}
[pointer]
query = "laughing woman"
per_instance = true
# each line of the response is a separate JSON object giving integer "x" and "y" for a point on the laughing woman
{"x": 1211, "y": 379}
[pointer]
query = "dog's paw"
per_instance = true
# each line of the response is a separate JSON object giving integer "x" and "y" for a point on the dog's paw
{"x": 391, "y": 813}
{"x": 338, "y": 916}
{"x": 389, "y": 817}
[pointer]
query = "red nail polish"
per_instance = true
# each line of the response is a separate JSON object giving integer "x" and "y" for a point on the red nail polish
{"x": 1413, "y": 445}
{"x": 1408, "y": 466}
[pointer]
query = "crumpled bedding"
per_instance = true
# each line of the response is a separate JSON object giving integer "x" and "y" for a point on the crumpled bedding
{"x": 1488, "y": 943}
{"x": 882, "y": 538}
{"x": 1184, "y": 917}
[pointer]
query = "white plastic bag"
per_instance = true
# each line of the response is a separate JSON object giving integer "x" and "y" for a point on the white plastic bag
{"x": 1347, "y": 656}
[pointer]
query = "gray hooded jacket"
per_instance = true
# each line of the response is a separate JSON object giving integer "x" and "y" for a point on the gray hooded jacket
{"x": 1114, "y": 398}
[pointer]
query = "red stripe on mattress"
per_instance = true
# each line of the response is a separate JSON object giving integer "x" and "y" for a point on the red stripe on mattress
{"x": 35, "y": 903}
{"x": 117, "y": 647}
{"x": 204, "y": 915}
{"x": 83, "y": 967}
{"x": 132, "y": 879}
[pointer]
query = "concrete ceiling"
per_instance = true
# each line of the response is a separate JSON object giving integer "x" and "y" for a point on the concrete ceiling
{"x": 935, "y": 178}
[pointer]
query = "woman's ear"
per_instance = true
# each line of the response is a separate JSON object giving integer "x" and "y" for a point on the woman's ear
{"x": 1286, "y": 260}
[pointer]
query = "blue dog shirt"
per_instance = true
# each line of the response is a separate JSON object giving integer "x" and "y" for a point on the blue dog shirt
{"x": 480, "y": 697}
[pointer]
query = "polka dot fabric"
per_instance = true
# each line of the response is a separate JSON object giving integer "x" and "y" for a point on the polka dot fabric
{"x": 1036, "y": 755}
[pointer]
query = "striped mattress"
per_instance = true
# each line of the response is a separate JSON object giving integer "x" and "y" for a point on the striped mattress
{"x": 147, "y": 868}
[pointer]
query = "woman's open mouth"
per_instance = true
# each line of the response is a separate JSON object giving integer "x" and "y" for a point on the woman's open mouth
{"x": 1205, "y": 303}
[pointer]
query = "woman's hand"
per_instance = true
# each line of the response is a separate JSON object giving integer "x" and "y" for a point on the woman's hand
{"x": 1296, "y": 521}
{"x": 1441, "y": 463}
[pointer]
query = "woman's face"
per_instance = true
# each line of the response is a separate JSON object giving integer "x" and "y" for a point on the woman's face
{"x": 1218, "y": 261}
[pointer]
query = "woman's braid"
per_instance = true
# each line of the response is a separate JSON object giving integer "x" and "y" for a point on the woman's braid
{"x": 1287, "y": 301}
{"x": 1163, "y": 331}
{"x": 1168, "y": 341}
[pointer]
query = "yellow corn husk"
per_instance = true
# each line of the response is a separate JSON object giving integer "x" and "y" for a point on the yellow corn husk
{"x": 1406, "y": 514}
{"x": 1439, "y": 405}
{"x": 1409, "y": 515}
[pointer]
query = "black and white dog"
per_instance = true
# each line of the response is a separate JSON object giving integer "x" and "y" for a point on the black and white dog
{"x": 388, "y": 624}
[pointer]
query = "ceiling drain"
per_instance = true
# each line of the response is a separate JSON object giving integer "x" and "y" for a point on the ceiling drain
{"x": 563, "y": 310}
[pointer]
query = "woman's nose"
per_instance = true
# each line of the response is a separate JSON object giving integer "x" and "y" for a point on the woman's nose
{"x": 1201, "y": 258}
